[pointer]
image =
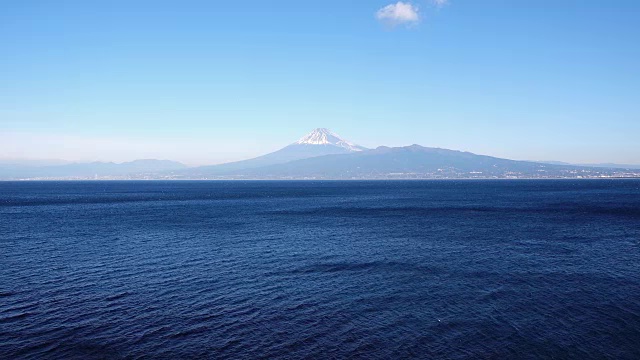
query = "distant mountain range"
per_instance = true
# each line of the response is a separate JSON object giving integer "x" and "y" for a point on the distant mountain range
{"x": 411, "y": 162}
{"x": 324, "y": 155}
{"x": 138, "y": 168}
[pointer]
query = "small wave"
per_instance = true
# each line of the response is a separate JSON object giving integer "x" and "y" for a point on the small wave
{"x": 117, "y": 296}
{"x": 16, "y": 317}
{"x": 18, "y": 307}
{"x": 361, "y": 266}
{"x": 189, "y": 332}
{"x": 7, "y": 294}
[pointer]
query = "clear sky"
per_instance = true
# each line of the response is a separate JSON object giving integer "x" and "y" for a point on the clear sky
{"x": 212, "y": 81}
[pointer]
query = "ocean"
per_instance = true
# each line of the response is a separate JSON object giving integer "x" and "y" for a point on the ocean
{"x": 520, "y": 269}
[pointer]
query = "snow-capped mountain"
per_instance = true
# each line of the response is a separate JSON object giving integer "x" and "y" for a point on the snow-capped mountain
{"x": 322, "y": 136}
{"x": 319, "y": 142}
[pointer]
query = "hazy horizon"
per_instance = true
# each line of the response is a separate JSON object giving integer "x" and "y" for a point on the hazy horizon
{"x": 63, "y": 161}
{"x": 208, "y": 83}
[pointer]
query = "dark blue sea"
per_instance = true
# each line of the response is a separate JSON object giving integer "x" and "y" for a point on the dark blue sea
{"x": 320, "y": 270}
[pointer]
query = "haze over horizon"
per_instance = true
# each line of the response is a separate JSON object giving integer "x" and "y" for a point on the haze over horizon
{"x": 204, "y": 83}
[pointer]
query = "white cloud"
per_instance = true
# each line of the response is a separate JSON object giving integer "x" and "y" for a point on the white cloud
{"x": 399, "y": 13}
{"x": 440, "y": 3}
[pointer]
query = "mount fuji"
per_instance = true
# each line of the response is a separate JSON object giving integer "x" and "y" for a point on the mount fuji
{"x": 319, "y": 142}
{"x": 322, "y": 154}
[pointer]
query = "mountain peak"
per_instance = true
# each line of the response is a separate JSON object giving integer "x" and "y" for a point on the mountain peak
{"x": 322, "y": 136}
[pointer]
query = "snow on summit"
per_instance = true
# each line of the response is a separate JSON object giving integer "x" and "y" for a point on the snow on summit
{"x": 323, "y": 136}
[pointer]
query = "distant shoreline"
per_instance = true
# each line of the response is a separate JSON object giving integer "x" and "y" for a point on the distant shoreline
{"x": 309, "y": 180}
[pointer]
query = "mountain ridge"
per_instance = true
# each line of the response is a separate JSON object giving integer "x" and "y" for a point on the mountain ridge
{"x": 322, "y": 154}
{"x": 415, "y": 162}
{"x": 90, "y": 169}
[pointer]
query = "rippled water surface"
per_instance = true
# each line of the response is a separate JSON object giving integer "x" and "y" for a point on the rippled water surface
{"x": 323, "y": 270}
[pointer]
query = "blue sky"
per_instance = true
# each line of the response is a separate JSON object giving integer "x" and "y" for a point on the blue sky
{"x": 213, "y": 81}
